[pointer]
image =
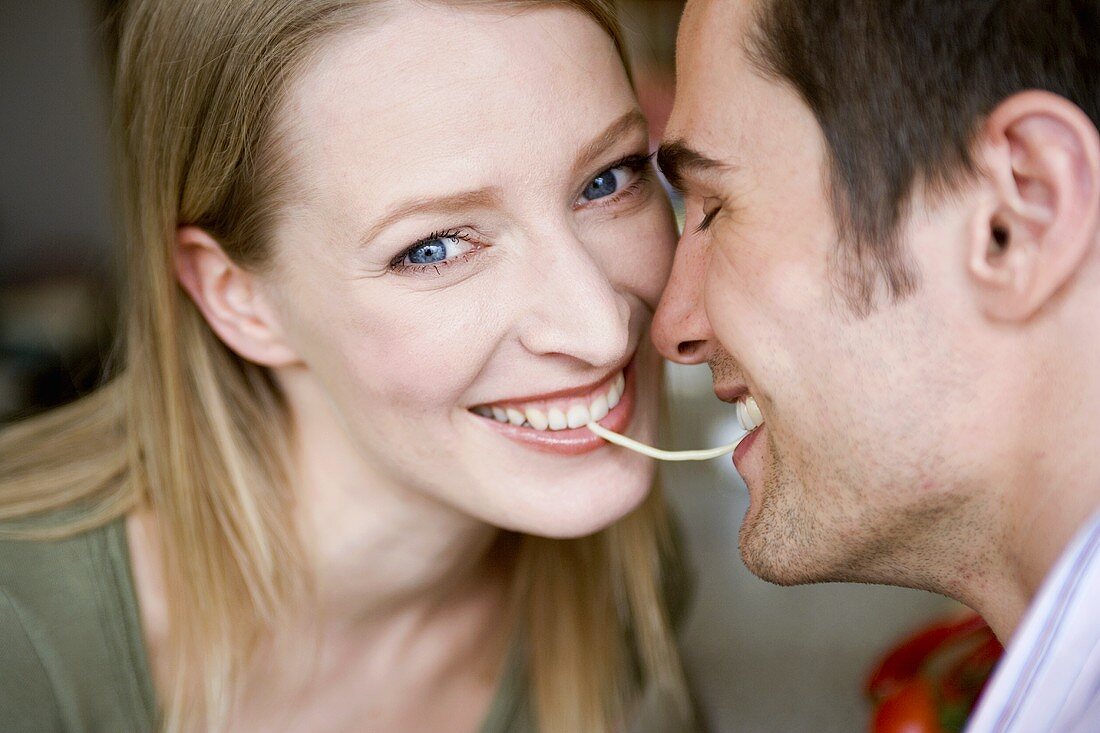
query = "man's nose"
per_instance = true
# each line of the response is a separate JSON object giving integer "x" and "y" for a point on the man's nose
{"x": 681, "y": 330}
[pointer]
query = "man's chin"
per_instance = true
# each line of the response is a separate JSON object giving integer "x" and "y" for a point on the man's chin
{"x": 768, "y": 564}
{"x": 780, "y": 554}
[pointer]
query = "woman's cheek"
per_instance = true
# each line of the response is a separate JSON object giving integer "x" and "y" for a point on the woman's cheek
{"x": 644, "y": 264}
{"x": 423, "y": 359}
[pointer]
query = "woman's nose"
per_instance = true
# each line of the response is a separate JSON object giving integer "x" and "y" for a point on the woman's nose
{"x": 576, "y": 309}
{"x": 681, "y": 330}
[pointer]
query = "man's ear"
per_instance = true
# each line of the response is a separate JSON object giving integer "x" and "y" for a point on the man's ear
{"x": 230, "y": 299}
{"x": 1040, "y": 155}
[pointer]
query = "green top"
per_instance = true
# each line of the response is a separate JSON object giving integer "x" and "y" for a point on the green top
{"x": 73, "y": 659}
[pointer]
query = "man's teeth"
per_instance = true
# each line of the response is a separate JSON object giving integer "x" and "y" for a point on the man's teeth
{"x": 748, "y": 413}
{"x": 571, "y": 416}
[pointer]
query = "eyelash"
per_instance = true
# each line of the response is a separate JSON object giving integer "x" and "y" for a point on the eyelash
{"x": 637, "y": 163}
{"x": 397, "y": 264}
{"x": 708, "y": 218}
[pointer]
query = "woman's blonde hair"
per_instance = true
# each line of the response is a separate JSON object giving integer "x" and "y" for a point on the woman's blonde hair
{"x": 198, "y": 435}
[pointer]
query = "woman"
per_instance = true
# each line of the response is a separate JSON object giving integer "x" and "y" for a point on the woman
{"x": 385, "y": 259}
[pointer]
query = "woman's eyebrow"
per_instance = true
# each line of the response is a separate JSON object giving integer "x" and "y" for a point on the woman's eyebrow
{"x": 485, "y": 197}
{"x": 446, "y": 204}
{"x": 590, "y": 152}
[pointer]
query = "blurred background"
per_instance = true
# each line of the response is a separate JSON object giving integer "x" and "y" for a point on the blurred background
{"x": 762, "y": 658}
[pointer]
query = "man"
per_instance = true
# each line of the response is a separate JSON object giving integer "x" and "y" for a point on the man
{"x": 893, "y": 244}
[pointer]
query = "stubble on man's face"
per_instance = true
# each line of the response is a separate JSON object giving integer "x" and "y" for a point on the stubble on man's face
{"x": 849, "y": 474}
{"x": 784, "y": 538}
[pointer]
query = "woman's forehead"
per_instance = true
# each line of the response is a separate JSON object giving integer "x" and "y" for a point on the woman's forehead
{"x": 432, "y": 88}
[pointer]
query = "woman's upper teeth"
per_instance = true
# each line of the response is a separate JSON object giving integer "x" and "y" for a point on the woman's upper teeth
{"x": 563, "y": 414}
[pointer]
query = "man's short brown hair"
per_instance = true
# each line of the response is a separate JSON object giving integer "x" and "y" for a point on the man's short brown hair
{"x": 900, "y": 89}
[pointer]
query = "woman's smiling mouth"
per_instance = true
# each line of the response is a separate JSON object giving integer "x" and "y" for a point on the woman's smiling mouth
{"x": 555, "y": 423}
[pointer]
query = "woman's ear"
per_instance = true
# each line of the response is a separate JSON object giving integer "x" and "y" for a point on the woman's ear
{"x": 230, "y": 299}
{"x": 1040, "y": 155}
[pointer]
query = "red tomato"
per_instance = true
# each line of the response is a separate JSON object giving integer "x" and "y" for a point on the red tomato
{"x": 911, "y": 708}
{"x": 906, "y": 659}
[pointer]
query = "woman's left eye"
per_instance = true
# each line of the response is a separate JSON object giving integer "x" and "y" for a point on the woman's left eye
{"x": 607, "y": 183}
{"x": 616, "y": 179}
{"x": 437, "y": 249}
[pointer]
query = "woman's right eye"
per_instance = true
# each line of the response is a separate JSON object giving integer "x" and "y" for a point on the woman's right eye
{"x": 434, "y": 250}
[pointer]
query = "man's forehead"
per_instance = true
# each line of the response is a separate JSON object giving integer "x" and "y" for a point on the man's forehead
{"x": 710, "y": 46}
{"x": 713, "y": 28}
{"x": 709, "y": 62}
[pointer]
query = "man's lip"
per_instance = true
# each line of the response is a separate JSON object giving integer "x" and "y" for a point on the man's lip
{"x": 583, "y": 391}
{"x": 744, "y": 447}
{"x": 730, "y": 393}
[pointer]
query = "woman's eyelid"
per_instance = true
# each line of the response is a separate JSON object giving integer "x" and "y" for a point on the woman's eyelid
{"x": 461, "y": 233}
{"x": 636, "y": 163}
{"x": 452, "y": 233}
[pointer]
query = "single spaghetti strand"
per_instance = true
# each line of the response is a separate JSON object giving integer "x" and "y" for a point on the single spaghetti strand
{"x": 663, "y": 455}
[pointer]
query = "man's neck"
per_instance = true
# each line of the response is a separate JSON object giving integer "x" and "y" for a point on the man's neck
{"x": 1044, "y": 527}
{"x": 1053, "y": 491}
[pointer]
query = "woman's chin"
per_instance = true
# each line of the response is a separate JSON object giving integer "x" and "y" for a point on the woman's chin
{"x": 578, "y": 507}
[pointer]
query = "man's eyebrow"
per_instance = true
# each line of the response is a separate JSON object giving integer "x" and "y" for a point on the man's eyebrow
{"x": 678, "y": 162}
{"x": 448, "y": 204}
{"x": 612, "y": 134}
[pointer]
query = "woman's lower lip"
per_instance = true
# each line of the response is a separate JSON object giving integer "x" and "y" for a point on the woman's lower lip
{"x": 578, "y": 440}
{"x": 745, "y": 446}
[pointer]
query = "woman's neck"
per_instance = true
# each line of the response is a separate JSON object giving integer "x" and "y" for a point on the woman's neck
{"x": 422, "y": 661}
{"x": 374, "y": 546}
{"x": 412, "y": 606}
{"x": 410, "y": 595}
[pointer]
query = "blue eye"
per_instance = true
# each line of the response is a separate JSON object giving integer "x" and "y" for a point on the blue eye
{"x": 432, "y": 251}
{"x": 440, "y": 248}
{"x": 605, "y": 184}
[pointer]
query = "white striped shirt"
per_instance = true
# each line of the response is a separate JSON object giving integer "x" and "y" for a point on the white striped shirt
{"x": 1049, "y": 678}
